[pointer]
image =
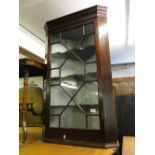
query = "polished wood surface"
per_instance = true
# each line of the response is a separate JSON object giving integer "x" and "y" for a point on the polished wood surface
{"x": 23, "y": 111}
{"x": 107, "y": 135}
{"x": 107, "y": 106}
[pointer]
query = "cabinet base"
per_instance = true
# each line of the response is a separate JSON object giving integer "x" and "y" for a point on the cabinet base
{"x": 82, "y": 143}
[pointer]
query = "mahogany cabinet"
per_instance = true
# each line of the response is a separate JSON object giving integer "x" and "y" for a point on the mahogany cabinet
{"x": 78, "y": 105}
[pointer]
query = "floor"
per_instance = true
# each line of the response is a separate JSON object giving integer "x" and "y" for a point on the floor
{"x": 35, "y": 146}
{"x": 128, "y": 145}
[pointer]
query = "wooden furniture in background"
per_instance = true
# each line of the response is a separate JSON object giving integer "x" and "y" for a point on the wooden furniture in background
{"x": 124, "y": 89}
{"x": 75, "y": 42}
{"x": 27, "y": 68}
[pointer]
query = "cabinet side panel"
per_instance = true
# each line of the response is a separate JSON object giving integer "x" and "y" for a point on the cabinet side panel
{"x": 108, "y": 114}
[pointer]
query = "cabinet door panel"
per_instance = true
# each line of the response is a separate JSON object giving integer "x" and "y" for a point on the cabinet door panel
{"x": 73, "y": 65}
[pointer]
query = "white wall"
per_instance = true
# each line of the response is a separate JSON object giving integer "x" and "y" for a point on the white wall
{"x": 31, "y": 43}
{"x": 34, "y": 14}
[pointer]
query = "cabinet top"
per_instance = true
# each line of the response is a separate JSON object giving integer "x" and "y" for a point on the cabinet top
{"x": 82, "y": 16}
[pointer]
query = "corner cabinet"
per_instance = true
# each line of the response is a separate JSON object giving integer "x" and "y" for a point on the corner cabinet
{"x": 78, "y": 108}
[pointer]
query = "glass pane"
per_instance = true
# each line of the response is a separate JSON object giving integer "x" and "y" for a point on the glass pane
{"x": 91, "y": 71}
{"x": 93, "y": 122}
{"x": 58, "y": 54}
{"x": 72, "y": 74}
{"x": 55, "y": 79}
{"x": 85, "y": 49}
{"x": 89, "y": 28}
{"x": 74, "y": 60}
{"x": 58, "y": 96}
{"x": 72, "y": 117}
{"x": 87, "y": 97}
{"x": 54, "y": 121}
{"x": 55, "y": 37}
{"x": 58, "y": 103}
{"x": 57, "y": 60}
{"x": 71, "y": 37}
{"x": 56, "y": 109}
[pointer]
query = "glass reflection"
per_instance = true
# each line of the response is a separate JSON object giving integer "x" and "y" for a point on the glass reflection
{"x": 89, "y": 28}
{"x": 56, "y": 110}
{"x": 93, "y": 122}
{"x": 71, "y": 37}
{"x": 72, "y": 74}
{"x": 91, "y": 71}
{"x": 55, "y": 79}
{"x": 54, "y": 121}
{"x": 72, "y": 117}
{"x": 87, "y": 97}
{"x": 85, "y": 49}
{"x": 55, "y": 37}
{"x": 58, "y": 54}
{"x": 56, "y": 100}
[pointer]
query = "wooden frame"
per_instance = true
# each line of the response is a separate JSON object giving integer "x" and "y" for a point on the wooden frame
{"x": 107, "y": 135}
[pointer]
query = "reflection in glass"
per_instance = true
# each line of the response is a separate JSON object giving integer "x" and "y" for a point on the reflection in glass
{"x": 89, "y": 28}
{"x": 87, "y": 97}
{"x": 71, "y": 37}
{"x": 58, "y": 55}
{"x": 93, "y": 122}
{"x": 58, "y": 48}
{"x": 72, "y": 117}
{"x": 57, "y": 59}
{"x": 72, "y": 74}
{"x": 55, "y": 37}
{"x": 56, "y": 110}
{"x": 55, "y": 76}
{"x": 91, "y": 71}
{"x": 85, "y": 49}
{"x": 54, "y": 121}
{"x": 58, "y": 96}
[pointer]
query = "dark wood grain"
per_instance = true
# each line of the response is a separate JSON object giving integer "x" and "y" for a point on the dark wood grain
{"x": 48, "y": 91}
{"x": 107, "y": 107}
{"x": 77, "y": 18}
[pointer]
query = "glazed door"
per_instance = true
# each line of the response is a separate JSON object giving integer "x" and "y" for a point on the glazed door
{"x": 74, "y": 102}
